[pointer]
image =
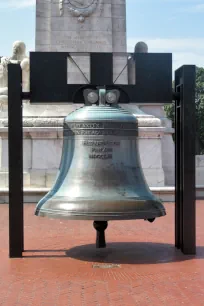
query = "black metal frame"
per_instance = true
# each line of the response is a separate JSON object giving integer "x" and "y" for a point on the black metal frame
{"x": 184, "y": 97}
{"x": 185, "y": 218}
{"x": 153, "y": 72}
{"x": 15, "y": 137}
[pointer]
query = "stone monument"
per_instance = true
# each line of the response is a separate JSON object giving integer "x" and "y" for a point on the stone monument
{"x": 80, "y": 26}
{"x": 83, "y": 26}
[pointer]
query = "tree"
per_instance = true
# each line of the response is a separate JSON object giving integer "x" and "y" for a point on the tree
{"x": 199, "y": 101}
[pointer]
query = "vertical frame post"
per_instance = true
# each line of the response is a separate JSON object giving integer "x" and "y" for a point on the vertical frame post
{"x": 104, "y": 73}
{"x": 15, "y": 135}
{"x": 189, "y": 188}
{"x": 178, "y": 179}
{"x": 185, "y": 161}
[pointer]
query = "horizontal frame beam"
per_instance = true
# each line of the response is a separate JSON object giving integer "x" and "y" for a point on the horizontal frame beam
{"x": 48, "y": 78}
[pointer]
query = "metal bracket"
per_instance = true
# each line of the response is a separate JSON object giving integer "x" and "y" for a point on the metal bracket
{"x": 184, "y": 97}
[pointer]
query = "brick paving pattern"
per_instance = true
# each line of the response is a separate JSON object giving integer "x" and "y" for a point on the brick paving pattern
{"x": 139, "y": 267}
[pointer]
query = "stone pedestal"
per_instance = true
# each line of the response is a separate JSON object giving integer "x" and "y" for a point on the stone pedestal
{"x": 43, "y": 144}
{"x": 200, "y": 170}
{"x": 167, "y": 143}
{"x": 43, "y": 148}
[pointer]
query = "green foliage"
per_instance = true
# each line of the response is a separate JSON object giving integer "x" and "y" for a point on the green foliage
{"x": 200, "y": 108}
{"x": 199, "y": 111}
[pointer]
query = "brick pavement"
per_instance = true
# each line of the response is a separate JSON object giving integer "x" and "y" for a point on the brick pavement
{"x": 139, "y": 267}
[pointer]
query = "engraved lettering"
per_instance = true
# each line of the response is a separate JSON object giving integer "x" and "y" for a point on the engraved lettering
{"x": 102, "y": 125}
{"x": 89, "y": 143}
{"x": 101, "y": 132}
{"x": 102, "y": 150}
{"x": 100, "y": 129}
{"x": 96, "y": 132}
{"x": 100, "y": 156}
{"x": 84, "y": 126}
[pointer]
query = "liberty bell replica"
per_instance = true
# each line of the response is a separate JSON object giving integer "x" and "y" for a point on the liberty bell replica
{"x": 100, "y": 176}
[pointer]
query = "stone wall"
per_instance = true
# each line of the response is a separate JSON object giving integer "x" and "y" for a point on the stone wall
{"x": 43, "y": 148}
{"x": 200, "y": 170}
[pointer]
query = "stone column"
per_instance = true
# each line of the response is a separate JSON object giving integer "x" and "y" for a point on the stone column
{"x": 157, "y": 111}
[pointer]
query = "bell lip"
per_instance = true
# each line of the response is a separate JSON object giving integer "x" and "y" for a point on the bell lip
{"x": 143, "y": 215}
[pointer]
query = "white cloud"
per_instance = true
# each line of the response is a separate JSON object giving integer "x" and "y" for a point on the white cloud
{"x": 186, "y": 51}
{"x": 17, "y": 3}
{"x": 193, "y": 8}
{"x": 199, "y": 8}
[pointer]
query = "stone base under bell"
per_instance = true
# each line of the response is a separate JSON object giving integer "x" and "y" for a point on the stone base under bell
{"x": 101, "y": 210}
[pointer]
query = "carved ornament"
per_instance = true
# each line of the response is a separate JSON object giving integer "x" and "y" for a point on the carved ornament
{"x": 79, "y": 8}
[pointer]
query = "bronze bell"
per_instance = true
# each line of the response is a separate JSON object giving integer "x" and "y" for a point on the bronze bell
{"x": 100, "y": 176}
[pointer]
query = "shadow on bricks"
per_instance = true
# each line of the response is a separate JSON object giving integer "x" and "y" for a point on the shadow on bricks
{"x": 121, "y": 253}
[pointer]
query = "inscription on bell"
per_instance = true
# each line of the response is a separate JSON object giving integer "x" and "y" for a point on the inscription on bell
{"x": 101, "y": 153}
{"x": 100, "y": 129}
{"x": 100, "y": 156}
{"x": 85, "y": 125}
{"x": 102, "y": 150}
{"x": 101, "y": 125}
{"x": 89, "y": 143}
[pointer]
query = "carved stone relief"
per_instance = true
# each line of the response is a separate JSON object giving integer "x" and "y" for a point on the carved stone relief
{"x": 79, "y": 8}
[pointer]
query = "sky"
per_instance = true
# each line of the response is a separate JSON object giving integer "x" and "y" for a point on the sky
{"x": 175, "y": 26}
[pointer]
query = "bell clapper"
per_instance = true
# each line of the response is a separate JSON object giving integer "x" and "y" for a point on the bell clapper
{"x": 100, "y": 227}
{"x": 151, "y": 220}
